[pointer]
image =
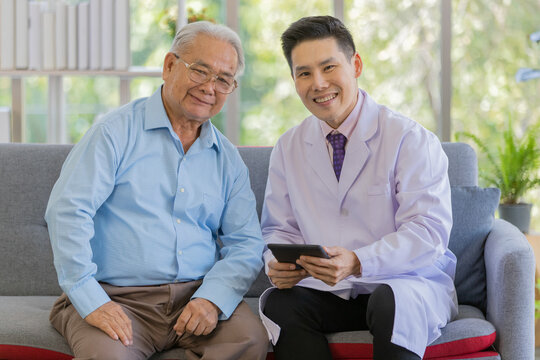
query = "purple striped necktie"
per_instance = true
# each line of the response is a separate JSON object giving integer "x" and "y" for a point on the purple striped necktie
{"x": 338, "y": 142}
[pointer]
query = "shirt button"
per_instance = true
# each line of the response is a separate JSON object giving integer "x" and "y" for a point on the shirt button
{"x": 179, "y": 252}
{"x": 178, "y": 221}
{"x": 182, "y": 190}
{"x": 345, "y": 212}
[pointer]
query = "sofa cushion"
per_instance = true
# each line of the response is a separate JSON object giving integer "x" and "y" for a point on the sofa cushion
{"x": 460, "y": 337}
{"x": 462, "y": 164}
{"x": 469, "y": 336}
{"x": 256, "y": 159}
{"x": 25, "y": 322}
{"x": 27, "y": 333}
{"x": 259, "y": 285}
{"x": 473, "y": 209}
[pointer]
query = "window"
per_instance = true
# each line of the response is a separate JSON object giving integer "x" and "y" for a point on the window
{"x": 399, "y": 41}
{"x": 399, "y": 45}
{"x": 86, "y": 100}
{"x": 490, "y": 42}
{"x": 269, "y": 104}
{"x": 5, "y": 91}
{"x": 35, "y": 109}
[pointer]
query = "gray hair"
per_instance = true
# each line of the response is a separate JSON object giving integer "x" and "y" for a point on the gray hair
{"x": 186, "y": 35}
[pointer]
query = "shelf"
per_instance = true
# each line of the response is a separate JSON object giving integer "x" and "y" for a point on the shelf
{"x": 134, "y": 71}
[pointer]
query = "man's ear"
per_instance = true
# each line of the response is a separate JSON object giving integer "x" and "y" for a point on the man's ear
{"x": 358, "y": 65}
{"x": 168, "y": 63}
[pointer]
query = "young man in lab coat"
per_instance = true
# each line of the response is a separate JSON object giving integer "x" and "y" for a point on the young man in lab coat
{"x": 371, "y": 186}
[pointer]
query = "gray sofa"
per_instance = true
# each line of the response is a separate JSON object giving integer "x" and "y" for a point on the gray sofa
{"x": 496, "y": 299}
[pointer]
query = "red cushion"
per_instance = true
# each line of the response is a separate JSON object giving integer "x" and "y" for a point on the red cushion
{"x": 478, "y": 355}
{"x": 468, "y": 356}
{"x": 459, "y": 349}
{"x": 454, "y": 350}
{"x": 17, "y": 352}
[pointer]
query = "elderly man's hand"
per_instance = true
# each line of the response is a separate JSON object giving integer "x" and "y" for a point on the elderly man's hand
{"x": 112, "y": 320}
{"x": 341, "y": 264}
{"x": 199, "y": 317}
{"x": 284, "y": 275}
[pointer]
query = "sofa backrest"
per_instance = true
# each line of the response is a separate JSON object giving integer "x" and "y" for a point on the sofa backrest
{"x": 27, "y": 175}
{"x": 29, "y": 171}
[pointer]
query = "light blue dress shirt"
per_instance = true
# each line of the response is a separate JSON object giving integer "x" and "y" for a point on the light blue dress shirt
{"x": 130, "y": 208}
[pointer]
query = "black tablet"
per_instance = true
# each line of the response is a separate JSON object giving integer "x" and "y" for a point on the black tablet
{"x": 288, "y": 253}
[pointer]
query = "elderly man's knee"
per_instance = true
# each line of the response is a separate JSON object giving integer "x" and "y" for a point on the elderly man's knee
{"x": 97, "y": 353}
{"x": 257, "y": 343}
{"x": 251, "y": 335}
{"x": 104, "y": 349}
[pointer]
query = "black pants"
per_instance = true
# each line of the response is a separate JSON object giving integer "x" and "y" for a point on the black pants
{"x": 305, "y": 315}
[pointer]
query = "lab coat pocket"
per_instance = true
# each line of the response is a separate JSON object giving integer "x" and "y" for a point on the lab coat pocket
{"x": 379, "y": 189}
{"x": 211, "y": 210}
{"x": 380, "y": 214}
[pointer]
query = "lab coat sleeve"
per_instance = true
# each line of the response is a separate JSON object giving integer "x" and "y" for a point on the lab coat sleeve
{"x": 423, "y": 217}
{"x": 278, "y": 221}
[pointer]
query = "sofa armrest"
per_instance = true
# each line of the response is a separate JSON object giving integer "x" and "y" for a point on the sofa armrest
{"x": 510, "y": 272}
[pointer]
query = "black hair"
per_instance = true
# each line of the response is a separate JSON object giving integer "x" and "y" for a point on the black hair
{"x": 316, "y": 27}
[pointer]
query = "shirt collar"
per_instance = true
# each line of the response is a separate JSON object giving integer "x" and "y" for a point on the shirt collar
{"x": 156, "y": 118}
{"x": 155, "y": 114}
{"x": 208, "y": 136}
{"x": 347, "y": 127}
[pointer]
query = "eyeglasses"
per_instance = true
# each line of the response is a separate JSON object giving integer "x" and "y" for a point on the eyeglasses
{"x": 199, "y": 74}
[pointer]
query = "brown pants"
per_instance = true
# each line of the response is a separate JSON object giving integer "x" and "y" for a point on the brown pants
{"x": 153, "y": 311}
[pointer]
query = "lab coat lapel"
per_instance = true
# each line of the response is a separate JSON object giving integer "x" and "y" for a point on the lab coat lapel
{"x": 318, "y": 157}
{"x": 355, "y": 159}
{"x": 357, "y": 151}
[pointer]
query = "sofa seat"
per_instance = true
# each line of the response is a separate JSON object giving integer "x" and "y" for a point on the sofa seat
{"x": 469, "y": 336}
{"x": 26, "y": 333}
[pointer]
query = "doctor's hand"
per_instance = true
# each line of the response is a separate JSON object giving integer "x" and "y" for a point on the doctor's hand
{"x": 113, "y": 321}
{"x": 199, "y": 317}
{"x": 284, "y": 275}
{"x": 342, "y": 263}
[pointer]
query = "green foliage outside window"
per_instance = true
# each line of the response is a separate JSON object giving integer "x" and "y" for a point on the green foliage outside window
{"x": 399, "y": 42}
{"x": 269, "y": 104}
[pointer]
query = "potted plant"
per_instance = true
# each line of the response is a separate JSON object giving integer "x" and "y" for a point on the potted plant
{"x": 513, "y": 168}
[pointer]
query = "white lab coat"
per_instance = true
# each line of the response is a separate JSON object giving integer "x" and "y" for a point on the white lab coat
{"x": 391, "y": 207}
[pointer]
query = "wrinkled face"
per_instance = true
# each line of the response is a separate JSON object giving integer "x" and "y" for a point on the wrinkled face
{"x": 325, "y": 79}
{"x": 187, "y": 100}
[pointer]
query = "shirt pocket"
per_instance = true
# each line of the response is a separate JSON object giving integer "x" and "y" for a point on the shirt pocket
{"x": 211, "y": 210}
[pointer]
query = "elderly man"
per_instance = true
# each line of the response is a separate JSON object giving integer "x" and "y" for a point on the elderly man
{"x": 372, "y": 187}
{"x": 135, "y": 216}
